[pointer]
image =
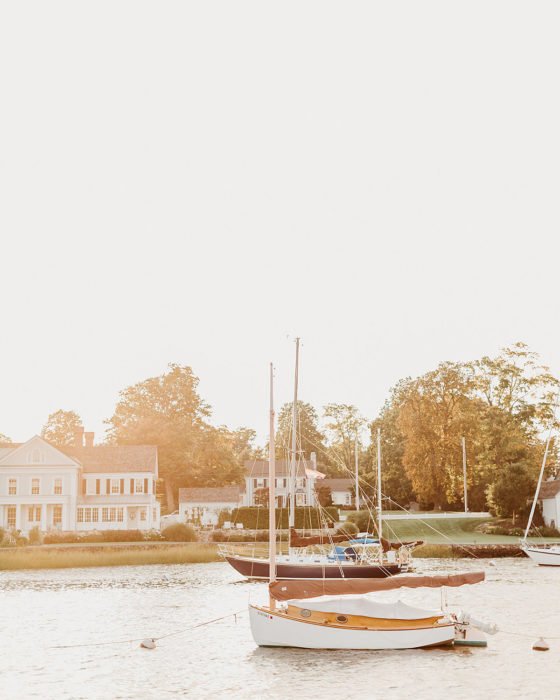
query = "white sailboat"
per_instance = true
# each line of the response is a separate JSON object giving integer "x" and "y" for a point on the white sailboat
{"x": 335, "y": 614}
{"x": 541, "y": 554}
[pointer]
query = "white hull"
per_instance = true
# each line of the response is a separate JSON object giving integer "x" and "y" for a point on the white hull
{"x": 277, "y": 630}
{"x": 544, "y": 556}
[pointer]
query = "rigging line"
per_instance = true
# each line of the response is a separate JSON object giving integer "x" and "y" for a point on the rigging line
{"x": 140, "y": 639}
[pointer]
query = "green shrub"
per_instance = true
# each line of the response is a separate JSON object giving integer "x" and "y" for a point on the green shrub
{"x": 35, "y": 535}
{"x": 256, "y": 518}
{"x": 239, "y": 536}
{"x": 363, "y": 520}
{"x": 61, "y": 538}
{"x": 179, "y": 532}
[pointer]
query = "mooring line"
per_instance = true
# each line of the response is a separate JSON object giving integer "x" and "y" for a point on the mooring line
{"x": 155, "y": 639}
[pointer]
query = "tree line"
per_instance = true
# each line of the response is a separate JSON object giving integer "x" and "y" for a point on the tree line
{"x": 501, "y": 406}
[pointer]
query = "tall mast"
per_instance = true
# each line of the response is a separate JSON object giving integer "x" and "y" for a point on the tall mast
{"x": 379, "y": 493}
{"x": 356, "y": 469}
{"x": 293, "y": 464}
{"x": 271, "y": 490}
{"x": 465, "y": 499}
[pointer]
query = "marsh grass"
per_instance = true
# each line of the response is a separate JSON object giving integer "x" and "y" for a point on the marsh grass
{"x": 435, "y": 551}
{"x": 61, "y": 557}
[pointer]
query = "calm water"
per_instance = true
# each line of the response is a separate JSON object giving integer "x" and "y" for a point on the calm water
{"x": 40, "y": 610}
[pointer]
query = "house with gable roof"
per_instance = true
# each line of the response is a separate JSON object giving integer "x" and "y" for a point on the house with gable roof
{"x": 80, "y": 487}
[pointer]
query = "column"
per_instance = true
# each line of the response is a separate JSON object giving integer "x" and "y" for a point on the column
{"x": 18, "y": 516}
{"x": 125, "y": 517}
{"x": 43, "y": 517}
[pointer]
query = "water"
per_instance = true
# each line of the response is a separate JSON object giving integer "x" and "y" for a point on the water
{"x": 43, "y": 609}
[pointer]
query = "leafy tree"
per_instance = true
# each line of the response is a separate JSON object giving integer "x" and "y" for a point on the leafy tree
{"x": 343, "y": 427}
{"x": 168, "y": 411}
{"x": 509, "y": 494}
{"x": 61, "y": 427}
{"x": 396, "y": 485}
{"x": 309, "y": 436}
{"x": 324, "y": 495}
{"x": 436, "y": 412}
{"x": 261, "y": 497}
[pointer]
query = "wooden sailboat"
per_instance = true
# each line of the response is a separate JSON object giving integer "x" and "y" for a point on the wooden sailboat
{"x": 322, "y": 614}
{"x": 300, "y": 563}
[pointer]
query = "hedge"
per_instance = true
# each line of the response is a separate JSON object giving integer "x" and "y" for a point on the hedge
{"x": 256, "y": 518}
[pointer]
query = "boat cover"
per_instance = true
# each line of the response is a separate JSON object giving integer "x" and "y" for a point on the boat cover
{"x": 359, "y": 605}
{"x": 288, "y": 590}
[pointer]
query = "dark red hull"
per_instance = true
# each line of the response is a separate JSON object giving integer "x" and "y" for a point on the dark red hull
{"x": 259, "y": 569}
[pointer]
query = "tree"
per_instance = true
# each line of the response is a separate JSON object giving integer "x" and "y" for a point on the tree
{"x": 509, "y": 494}
{"x": 4, "y": 438}
{"x": 343, "y": 427}
{"x": 168, "y": 411}
{"x": 324, "y": 495}
{"x": 396, "y": 485}
{"x": 436, "y": 412}
{"x": 309, "y": 437}
{"x": 61, "y": 427}
{"x": 261, "y": 497}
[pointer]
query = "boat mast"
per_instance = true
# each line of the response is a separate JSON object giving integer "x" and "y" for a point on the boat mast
{"x": 272, "y": 491}
{"x": 536, "y": 498}
{"x": 356, "y": 469}
{"x": 465, "y": 498}
{"x": 379, "y": 495}
{"x": 293, "y": 464}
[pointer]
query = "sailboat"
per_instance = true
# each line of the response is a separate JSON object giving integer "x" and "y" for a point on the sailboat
{"x": 541, "y": 554}
{"x": 363, "y": 557}
{"x": 323, "y": 614}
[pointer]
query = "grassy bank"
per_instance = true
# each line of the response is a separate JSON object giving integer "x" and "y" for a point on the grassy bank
{"x": 68, "y": 556}
{"x": 446, "y": 531}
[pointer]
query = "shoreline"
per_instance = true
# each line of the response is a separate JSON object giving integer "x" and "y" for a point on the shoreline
{"x": 66, "y": 556}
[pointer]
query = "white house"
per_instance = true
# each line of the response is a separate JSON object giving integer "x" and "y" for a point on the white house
{"x": 341, "y": 490}
{"x": 202, "y": 506}
{"x": 256, "y": 479}
{"x": 82, "y": 487}
{"x": 549, "y": 496}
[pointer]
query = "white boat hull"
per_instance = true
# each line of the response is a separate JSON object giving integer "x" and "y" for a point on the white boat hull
{"x": 544, "y": 556}
{"x": 278, "y": 630}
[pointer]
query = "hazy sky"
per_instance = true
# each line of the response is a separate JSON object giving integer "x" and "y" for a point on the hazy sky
{"x": 193, "y": 182}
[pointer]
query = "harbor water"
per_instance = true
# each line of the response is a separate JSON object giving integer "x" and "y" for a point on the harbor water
{"x": 56, "y": 625}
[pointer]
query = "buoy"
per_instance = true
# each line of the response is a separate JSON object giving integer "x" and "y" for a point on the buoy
{"x": 148, "y": 644}
{"x": 540, "y": 645}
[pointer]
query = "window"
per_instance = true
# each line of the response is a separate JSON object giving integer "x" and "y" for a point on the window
{"x": 11, "y": 516}
{"x": 58, "y": 487}
{"x": 34, "y": 514}
{"x": 120, "y": 515}
{"x": 94, "y": 515}
{"x": 57, "y": 515}
{"x": 105, "y": 515}
{"x": 35, "y": 486}
{"x": 285, "y": 483}
{"x": 110, "y": 515}
{"x": 88, "y": 515}
{"x": 348, "y": 499}
{"x": 138, "y": 485}
{"x": 12, "y": 487}
{"x": 81, "y": 515}
{"x": 142, "y": 514}
{"x": 300, "y": 499}
{"x": 255, "y": 483}
{"x": 115, "y": 486}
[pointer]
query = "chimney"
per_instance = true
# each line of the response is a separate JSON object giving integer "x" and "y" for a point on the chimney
{"x": 313, "y": 457}
{"x": 79, "y": 437}
{"x": 89, "y": 439}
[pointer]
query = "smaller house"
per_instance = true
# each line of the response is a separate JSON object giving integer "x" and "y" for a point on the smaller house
{"x": 202, "y": 506}
{"x": 256, "y": 482}
{"x": 342, "y": 490}
{"x": 549, "y": 496}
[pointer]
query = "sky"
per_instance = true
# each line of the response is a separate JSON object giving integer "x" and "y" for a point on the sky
{"x": 200, "y": 183}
